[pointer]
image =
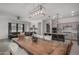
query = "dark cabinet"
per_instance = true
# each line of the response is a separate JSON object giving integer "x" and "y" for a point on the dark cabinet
{"x": 78, "y": 34}
{"x": 58, "y": 37}
{"x": 54, "y": 30}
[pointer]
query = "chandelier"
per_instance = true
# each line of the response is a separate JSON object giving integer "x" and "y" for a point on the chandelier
{"x": 39, "y": 10}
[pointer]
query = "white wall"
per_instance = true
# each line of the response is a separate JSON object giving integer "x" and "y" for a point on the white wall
{"x": 72, "y": 19}
{"x": 3, "y": 27}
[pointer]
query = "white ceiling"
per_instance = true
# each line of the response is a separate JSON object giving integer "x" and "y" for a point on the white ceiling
{"x": 23, "y": 9}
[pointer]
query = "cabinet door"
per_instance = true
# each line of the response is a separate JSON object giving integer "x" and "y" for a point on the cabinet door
{"x": 78, "y": 34}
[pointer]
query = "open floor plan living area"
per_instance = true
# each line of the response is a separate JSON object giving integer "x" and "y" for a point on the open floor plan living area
{"x": 39, "y": 28}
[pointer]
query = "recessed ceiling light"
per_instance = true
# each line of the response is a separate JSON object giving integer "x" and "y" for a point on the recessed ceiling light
{"x": 73, "y": 11}
{"x": 72, "y": 14}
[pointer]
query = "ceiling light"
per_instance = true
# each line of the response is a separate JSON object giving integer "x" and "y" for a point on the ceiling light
{"x": 38, "y": 10}
{"x": 35, "y": 13}
{"x": 72, "y": 14}
{"x": 73, "y": 11}
{"x": 41, "y": 11}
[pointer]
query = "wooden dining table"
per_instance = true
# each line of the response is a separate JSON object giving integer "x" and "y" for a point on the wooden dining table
{"x": 41, "y": 47}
